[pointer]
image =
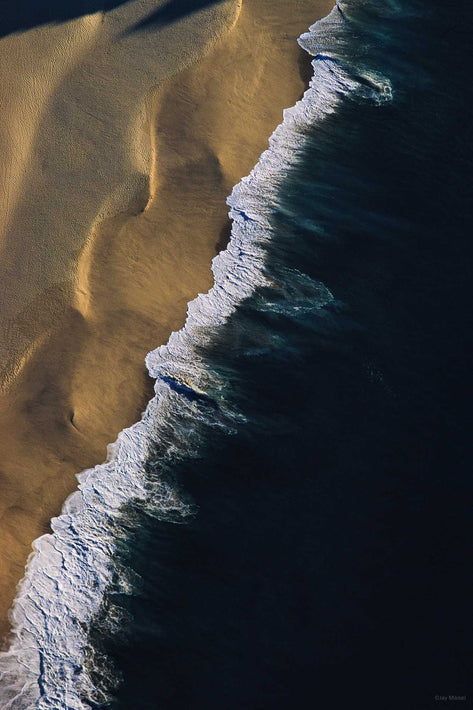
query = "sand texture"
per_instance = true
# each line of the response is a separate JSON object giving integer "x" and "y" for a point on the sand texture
{"x": 119, "y": 143}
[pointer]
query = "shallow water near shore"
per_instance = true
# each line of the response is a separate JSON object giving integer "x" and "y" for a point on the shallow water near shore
{"x": 301, "y": 530}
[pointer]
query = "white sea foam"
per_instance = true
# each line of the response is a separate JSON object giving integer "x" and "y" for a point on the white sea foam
{"x": 49, "y": 662}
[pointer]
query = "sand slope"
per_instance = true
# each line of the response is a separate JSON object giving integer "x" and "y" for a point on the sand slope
{"x": 113, "y": 204}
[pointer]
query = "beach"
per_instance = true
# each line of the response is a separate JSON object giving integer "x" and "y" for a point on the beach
{"x": 120, "y": 141}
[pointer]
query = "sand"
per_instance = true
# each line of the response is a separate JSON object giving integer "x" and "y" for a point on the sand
{"x": 118, "y": 147}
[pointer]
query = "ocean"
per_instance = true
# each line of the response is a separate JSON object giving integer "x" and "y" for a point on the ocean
{"x": 289, "y": 526}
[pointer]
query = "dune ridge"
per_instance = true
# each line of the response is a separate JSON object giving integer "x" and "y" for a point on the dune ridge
{"x": 121, "y": 283}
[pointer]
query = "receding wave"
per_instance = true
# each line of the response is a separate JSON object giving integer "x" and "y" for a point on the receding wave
{"x": 50, "y": 661}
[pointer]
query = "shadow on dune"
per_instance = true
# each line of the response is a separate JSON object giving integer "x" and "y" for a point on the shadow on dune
{"x": 25, "y": 14}
{"x": 172, "y": 11}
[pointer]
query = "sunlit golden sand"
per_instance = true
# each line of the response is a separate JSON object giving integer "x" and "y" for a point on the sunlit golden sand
{"x": 118, "y": 150}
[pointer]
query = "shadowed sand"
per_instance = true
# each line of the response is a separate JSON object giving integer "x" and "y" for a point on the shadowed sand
{"x": 113, "y": 205}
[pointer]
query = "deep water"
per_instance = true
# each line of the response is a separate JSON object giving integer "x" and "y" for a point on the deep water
{"x": 328, "y": 562}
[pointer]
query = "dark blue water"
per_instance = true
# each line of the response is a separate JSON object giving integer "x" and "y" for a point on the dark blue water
{"x": 329, "y": 562}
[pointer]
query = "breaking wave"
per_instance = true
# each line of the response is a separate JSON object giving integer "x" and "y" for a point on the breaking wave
{"x": 50, "y": 662}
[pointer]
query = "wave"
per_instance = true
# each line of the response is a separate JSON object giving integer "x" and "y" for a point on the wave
{"x": 50, "y": 661}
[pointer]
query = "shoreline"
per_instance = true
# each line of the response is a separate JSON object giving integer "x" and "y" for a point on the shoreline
{"x": 86, "y": 380}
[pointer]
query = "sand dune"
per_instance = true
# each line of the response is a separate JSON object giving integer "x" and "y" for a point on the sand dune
{"x": 115, "y": 162}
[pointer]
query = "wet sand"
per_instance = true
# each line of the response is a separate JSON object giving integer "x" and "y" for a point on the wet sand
{"x": 119, "y": 147}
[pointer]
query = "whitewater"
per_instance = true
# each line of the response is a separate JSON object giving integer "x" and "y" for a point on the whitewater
{"x": 50, "y": 660}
